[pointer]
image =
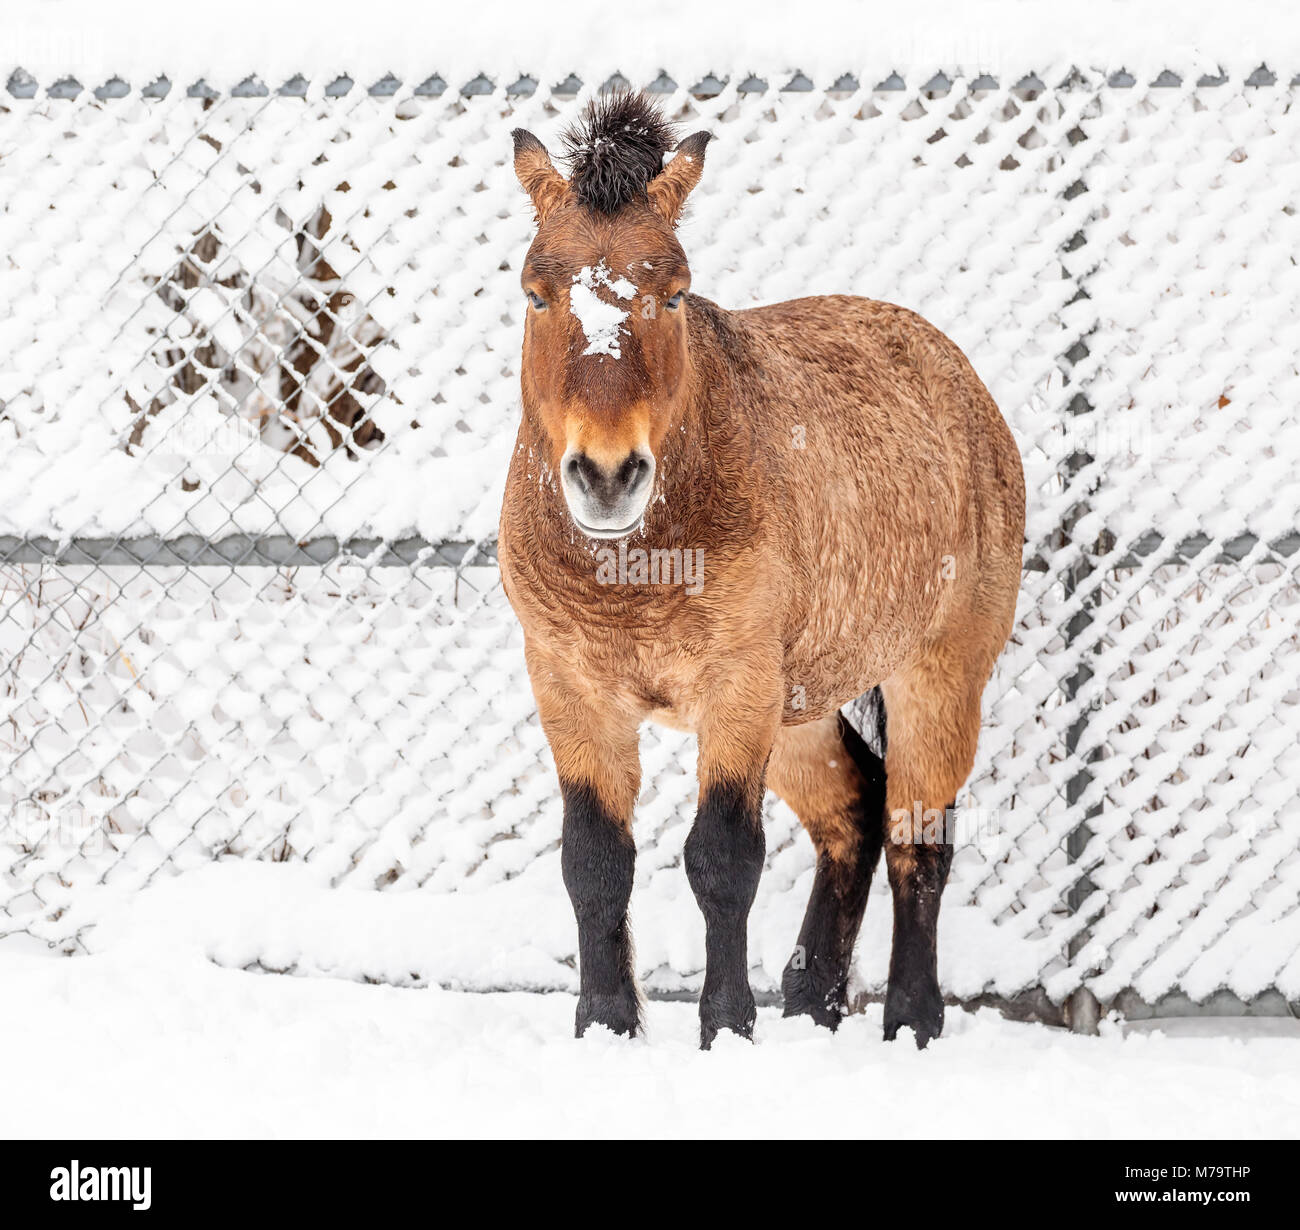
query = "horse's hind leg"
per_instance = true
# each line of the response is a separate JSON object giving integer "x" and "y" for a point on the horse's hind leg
{"x": 836, "y": 786}
{"x": 934, "y": 719}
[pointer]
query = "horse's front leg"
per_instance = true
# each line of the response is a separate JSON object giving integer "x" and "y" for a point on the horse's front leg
{"x": 724, "y": 850}
{"x": 596, "y": 756}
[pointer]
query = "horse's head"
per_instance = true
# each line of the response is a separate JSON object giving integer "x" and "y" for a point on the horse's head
{"x": 605, "y": 358}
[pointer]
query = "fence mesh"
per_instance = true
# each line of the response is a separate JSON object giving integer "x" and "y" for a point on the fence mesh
{"x": 258, "y": 394}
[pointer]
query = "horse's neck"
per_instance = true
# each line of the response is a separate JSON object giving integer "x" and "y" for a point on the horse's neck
{"x": 702, "y": 485}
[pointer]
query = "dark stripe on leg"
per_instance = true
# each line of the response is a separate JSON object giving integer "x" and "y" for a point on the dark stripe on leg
{"x": 917, "y": 875}
{"x": 815, "y": 981}
{"x": 597, "y": 859}
{"x": 724, "y": 859}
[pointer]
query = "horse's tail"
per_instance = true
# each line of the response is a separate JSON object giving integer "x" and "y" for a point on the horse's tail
{"x": 866, "y": 734}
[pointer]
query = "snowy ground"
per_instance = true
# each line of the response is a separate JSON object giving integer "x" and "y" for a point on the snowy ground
{"x": 136, "y": 1044}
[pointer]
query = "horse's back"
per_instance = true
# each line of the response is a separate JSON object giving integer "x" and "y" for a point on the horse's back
{"x": 906, "y": 479}
{"x": 895, "y": 392}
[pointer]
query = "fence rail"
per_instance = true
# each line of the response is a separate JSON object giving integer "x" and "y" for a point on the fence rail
{"x": 244, "y": 550}
{"x": 258, "y": 376}
{"x": 279, "y": 551}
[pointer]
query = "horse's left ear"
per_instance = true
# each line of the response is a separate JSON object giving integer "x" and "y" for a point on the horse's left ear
{"x": 670, "y": 188}
{"x": 538, "y": 176}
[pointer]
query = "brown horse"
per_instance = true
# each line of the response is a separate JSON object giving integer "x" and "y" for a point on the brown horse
{"x": 850, "y": 506}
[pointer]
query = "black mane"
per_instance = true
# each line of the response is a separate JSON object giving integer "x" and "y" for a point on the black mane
{"x": 616, "y": 149}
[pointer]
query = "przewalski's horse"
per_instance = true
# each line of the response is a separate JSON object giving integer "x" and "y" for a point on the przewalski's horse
{"x": 856, "y": 504}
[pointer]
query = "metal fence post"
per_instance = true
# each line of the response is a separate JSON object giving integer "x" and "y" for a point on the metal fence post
{"x": 1082, "y": 1011}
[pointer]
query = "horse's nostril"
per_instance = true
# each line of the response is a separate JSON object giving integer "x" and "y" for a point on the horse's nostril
{"x": 633, "y": 472}
{"x": 605, "y": 487}
{"x": 575, "y": 472}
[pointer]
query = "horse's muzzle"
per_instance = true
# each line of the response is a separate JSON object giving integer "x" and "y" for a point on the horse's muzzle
{"x": 605, "y": 502}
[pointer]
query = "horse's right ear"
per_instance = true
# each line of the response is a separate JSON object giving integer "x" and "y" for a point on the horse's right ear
{"x": 543, "y": 183}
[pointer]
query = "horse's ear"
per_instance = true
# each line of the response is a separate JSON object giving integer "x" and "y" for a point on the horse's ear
{"x": 543, "y": 183}
{"x": 670, "y": 188}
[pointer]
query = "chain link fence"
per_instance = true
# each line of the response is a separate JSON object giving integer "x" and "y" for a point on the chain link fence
{"x": 258, "y": 390}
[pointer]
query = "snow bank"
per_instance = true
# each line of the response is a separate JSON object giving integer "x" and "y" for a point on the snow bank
{"x": 142, "y": 1044}
{"x": 515, "y": 934}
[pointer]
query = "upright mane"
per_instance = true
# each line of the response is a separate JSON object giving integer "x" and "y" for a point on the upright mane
{"x": 616, "y": 149}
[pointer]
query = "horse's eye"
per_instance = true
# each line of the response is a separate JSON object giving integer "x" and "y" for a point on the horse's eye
{"x": 535, "y": 299}
{"x": 676, "y": 301}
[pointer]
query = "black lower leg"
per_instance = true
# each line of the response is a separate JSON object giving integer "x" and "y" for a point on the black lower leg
{"x": 816, "y": 978}
{"x": 597, "y": 861}
{"x": 917, "y": 875}
{"x": 724, "y": 858}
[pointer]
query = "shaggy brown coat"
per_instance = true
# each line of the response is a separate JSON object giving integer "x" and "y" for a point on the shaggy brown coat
{"x": 859, "y": 503}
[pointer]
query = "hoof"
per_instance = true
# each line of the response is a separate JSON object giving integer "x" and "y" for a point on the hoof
{"x": 735, "y": 1012}
{"x": 803, "y": 997}
{"x": 921, "y": 1010}
{"x": 620, "y": 1012}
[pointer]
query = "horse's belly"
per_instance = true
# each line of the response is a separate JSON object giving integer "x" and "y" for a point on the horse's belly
{"x": 862, "y": 620}
{"x": 829, "y": 666}
{"x": 674, "y": 719}
{"x": 810, "y": 702}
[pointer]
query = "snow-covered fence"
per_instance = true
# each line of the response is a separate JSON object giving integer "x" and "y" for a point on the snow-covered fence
{"x": 258, "y": 388}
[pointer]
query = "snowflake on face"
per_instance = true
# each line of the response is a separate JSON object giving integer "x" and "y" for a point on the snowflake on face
{"x": 602, "y": 322}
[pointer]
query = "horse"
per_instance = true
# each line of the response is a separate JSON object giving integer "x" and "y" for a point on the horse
{"x": 853, "y": 506}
